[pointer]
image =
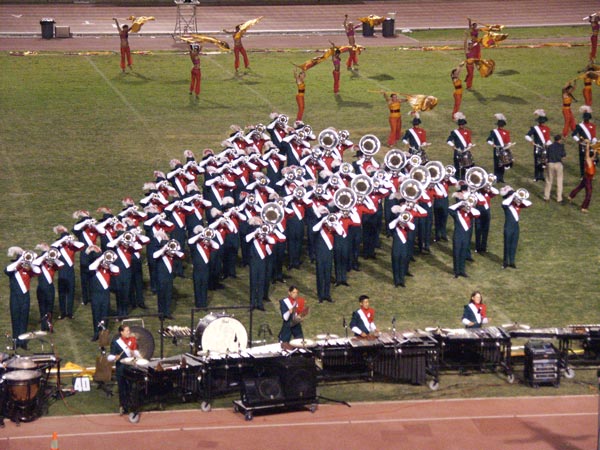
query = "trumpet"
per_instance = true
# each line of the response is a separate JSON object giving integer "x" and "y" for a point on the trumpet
{"x": 362, "y": 185}
{"x": 344, "y": 135}
{"x": 346, "y": 168}
{"x": 476, "y": 177}
{"x": 521, "y": 194}
{"x": 316, "y": 153}
{"x": 344, "y": 198}
{"x": 331, "y": 219}
{"x": 265, "y": 229}
{"x": 470, "y": 202}
{"x": 108, "y": 258}
{"x": 369, "y": 144}
{"x": 328, "y": 138}
{"x": 319, "y": 189}
{"x": 272, "y": 213}
{"x": 260, "y": 128}
{"x": 27, "y": 258}
{"x": 307, "y": 130}
{"x": 263, "y": 181}
{"x": 173, "y": 246}
{"x": 436, "y": 171}
{"x": 491, "y": 179}
{"x": 411, "y": 190}
{"x": 300, "y": 135}
{"x": 405, "y": 217}
{"x": 394, "y": 160}
{"x": 414, "y": 160}
{"x": 282, "y": 119}
{"x": 299, "y": 192}
{"x": 208, "y": 234}
{"x": 52, "y": 255}
{"x": 290, "y": 175}
{"x": 420, "y": 174}
{"x": 450, "y": 171}
{"x": 128, "y": 238}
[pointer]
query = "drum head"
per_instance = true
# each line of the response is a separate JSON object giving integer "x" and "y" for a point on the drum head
{"x": 220, "y": 333}
{"x": 145, "y": 340}
{"x": 302, "y": 343}
{"x": 326, "y": 336}
{"x": 129, "y": 361}
{"x": 21, "y": 363}
{"x": 141, "y": 362}
{"x": 21, "y": 376}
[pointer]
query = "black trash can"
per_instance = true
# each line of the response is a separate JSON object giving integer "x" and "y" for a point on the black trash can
{"x": 47, "y": 28}
{"x": 367, "y": 30}
{"x": 388, "y": 27}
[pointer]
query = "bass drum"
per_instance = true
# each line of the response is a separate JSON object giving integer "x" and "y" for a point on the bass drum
{"x": 220, "y": 333}
{"x": 145, "y": 340}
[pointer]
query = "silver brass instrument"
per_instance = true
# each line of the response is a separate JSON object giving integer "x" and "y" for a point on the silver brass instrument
{"x": 437, "y": 171}
{"x": 316, "y": 152}
{"x": 208, "y": 234}
{"x": 319, "y": 189}
{"x": 411, "y": 190}
{"x": 299, "y": 172}
{"x": 300, "y": 135}
{"x": 476, "y": 177}
{"x": 420, "y": 174}
{"x": 282, "y": 119}
{"x": 108, "y": 258}
{"x": 405, "y": 217}
{"x": 328, "y": 138}
{"x": 299, "y": 192}
{"x": 420, "y": 152}
{"x": 394, "y": 160}
{"x": 362, "y": 185}
{"x": 491, "y": 179}
{"x": 265, "y": 229}
{"x": 344, "y": 198}
{"x": 173, "y": 246}
{"x": 27, "y": 258}
{"x": 53, "y": 254}
{"x": 251, "y": 199}
{"x": 369, "y": 144}
{"x": 414, "y": 160}
{"x": 450, "y": 171}
{"x": 272, "y": 213}
{"x": 331, "y": 219}
{"x": 307, "y": 130}
{"x": 263, "y": 181}
{"x": 290, "y": 175}
{"x": 521, "y": 194}
{"x": 346, "y": 168}
{"x": 344, "y": 135}
{"x": 128, "y": 238}
{"x": 471, "y": 202}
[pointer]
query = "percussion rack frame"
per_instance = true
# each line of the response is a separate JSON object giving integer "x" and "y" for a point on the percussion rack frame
{"x": 209, "y": 309}
{"x": 160, "y": 316}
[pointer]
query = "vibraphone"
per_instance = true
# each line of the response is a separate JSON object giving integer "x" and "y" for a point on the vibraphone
{"x": 400, "y": 357}
{"x": 474, "y": 349}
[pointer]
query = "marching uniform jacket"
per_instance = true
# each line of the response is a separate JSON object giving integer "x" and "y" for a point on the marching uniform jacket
{"x": 363, "y": 321}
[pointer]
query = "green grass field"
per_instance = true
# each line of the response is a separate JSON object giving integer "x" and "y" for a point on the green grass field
{"x": 75, "y": 133}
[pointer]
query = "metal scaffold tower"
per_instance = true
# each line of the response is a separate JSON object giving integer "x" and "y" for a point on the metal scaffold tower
{"x": 186, "y": 18}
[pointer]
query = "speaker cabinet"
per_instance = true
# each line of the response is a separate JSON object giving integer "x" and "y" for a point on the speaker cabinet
{"x": 262, "y": 391}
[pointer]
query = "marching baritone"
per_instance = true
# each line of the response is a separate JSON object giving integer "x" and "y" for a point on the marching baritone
{"x": 362, "y": 323}
{"x": 463, "y": 212}
{"x": 20, "y": 272}
{"x": 539, "y": 136}
{"x": 102, "y": 270}
{"x": 499, "y": 139}
{"x": 165, "y": 257}
{"x": 512, "y": 204}
{"x": 400, "y": 227}
{"x": 68, "y": 246}
{"x": 293, "y": 310}
{"x": 482, "y": 223}
{"x": 49, "y": 263}
{"x": 327, "y": 228}
{"x": 584, "y": 131}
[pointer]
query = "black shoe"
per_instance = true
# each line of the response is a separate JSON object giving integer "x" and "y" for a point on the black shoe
{"x": 470, "y": 259}
{"x": 456, "y": 275}
{"x": 321, "y": 300}
{"x": 330, "y": 300}
{"x": 267, "y": 300}
{"x": 464, "y": 275}
{"x": 143, "y": 306}
{"x": 260, "y": 308}
{"x": 408, "y": 274}
{"x": 504, "y": 266}
{"x": 345, "y": 283}
{"x": 400, "y": 285}
{"x": 337, "y": 284}
{"x": 513, "y": 266}
{"x": 169, "y": 317}
{"x": 219, "y": 286}
{"x": 94, "y": 338}
{"x": 70, "y": 316}
{"x": 445, "y": 239}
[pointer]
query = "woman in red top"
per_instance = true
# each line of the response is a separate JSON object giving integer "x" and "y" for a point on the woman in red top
{"x": 336, "y": 70}
{"x": 586, "y": 181}
{"x": 125, "y": 50}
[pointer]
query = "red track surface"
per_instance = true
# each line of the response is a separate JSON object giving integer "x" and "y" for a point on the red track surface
{"x": 498, "y": 423}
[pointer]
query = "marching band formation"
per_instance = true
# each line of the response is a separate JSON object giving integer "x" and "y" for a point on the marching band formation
{"x": 273, "y": 194}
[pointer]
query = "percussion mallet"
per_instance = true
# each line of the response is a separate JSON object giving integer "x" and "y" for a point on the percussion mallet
{"x": 394, "y": 324}
{"x": 345, "y": 326}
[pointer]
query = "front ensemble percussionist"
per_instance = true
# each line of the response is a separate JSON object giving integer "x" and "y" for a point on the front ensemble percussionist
{"x": 362, "y": 323}
{"x": 124, "y": 346}
{"x": 292, "y": 308}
